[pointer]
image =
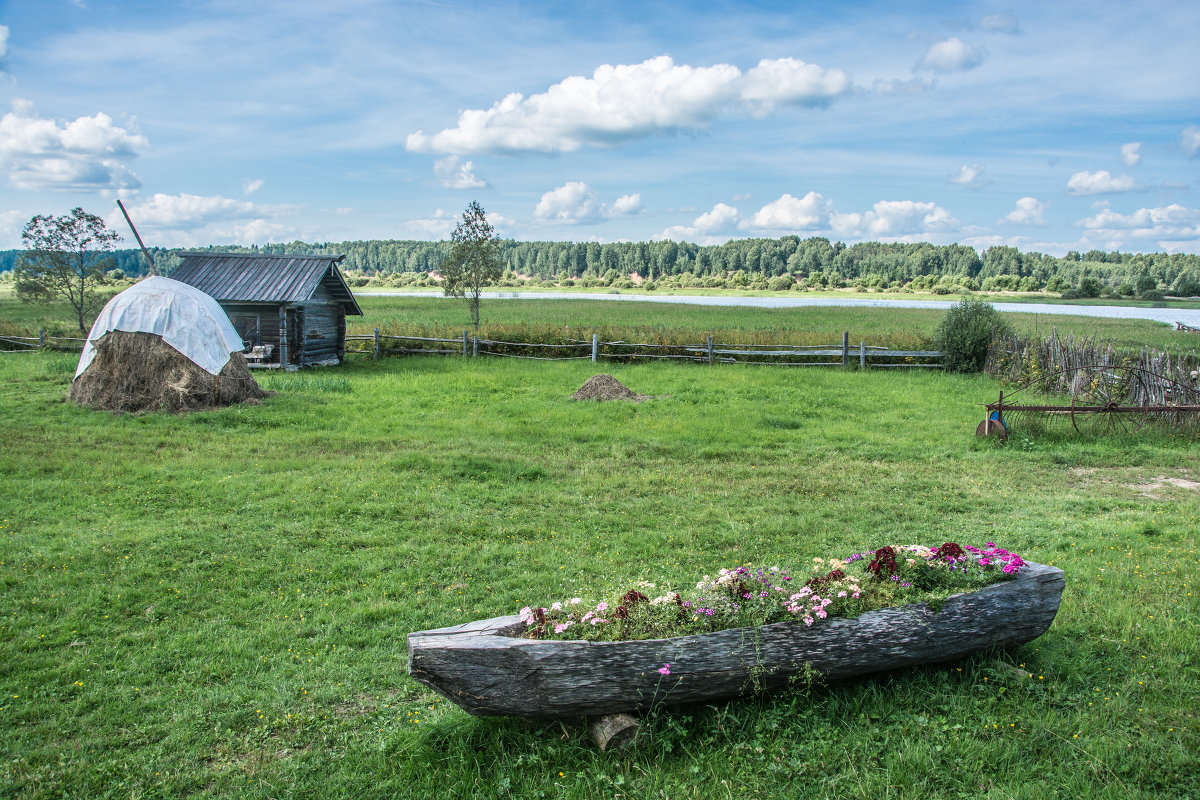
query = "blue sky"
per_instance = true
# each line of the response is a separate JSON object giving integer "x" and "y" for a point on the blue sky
{"x": 1049, "y": 127}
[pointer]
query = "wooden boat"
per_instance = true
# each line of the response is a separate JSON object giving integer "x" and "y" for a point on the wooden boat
{"x": 489, "y": 669}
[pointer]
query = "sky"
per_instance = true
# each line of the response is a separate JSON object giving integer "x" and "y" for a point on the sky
{"x": 1045, "y": 126}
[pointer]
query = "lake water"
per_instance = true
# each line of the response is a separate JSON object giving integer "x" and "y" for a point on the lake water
{"x": 1188, "y": 316}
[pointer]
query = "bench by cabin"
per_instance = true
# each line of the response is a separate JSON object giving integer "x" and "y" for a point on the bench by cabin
{"x": 290, "y": 310}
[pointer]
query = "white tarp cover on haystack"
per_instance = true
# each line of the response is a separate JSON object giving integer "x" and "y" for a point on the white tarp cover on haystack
{"x": 185, "y": 317}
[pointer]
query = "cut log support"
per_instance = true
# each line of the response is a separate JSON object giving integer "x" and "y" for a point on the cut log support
{"x": 614, "y": 731}
{"x": 487, "y": 668}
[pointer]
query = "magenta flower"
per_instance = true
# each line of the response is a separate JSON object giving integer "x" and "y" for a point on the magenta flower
{"x": 665, "y": 669}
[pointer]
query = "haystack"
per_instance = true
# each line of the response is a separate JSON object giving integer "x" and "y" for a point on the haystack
{"x": 136, "y": 371}
{"x": 606, "y": 387}
{"x": 162, "y": 345}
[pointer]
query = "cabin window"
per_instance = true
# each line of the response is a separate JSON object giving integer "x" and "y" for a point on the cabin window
{"x": 248, "y": 327}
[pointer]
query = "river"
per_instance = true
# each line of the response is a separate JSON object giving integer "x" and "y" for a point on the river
{"x": 1188, "y": 316}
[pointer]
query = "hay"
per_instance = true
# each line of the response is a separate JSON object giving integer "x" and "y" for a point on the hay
{"x": 606, "y": 387}
{"x": 136, "y": 372}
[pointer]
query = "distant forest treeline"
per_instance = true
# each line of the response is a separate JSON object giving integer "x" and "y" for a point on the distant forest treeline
{"x": 753, "y": 263}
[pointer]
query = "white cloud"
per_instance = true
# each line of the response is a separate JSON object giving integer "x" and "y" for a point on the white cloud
{"x": 1131, "y": 153}
{"x": 439, "y": 225}
{"x": 1190, "y": 139}
{"x": 711, "y": 227}
{"x": 250, "y": 187}
{"x": 188, "y": 220}
{"x": 632, "y": 101}
{"x": 970, "y": 175}
{"x": 952, "y": 55}
{"x": 190, "y": 211}
{"x": 1028, "y": 211}
{"x": 894, "y": 219}
{"x": 1173, "y": 223}
{"x": 1099, "y": 182}
{"x": 455, "y": 174}
{"x": 344, "y": 210}
{"x": 627, "y": 204}
{"x": 1002, "y": 23}
{"x": 576, "y": 202}
{"x": 3, "y": 41}
{"x": 789, "y": 213}
{"x": 87, "y": 154}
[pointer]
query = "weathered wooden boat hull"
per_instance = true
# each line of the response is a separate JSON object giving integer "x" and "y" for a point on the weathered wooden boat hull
{"x": 485, "y": 668}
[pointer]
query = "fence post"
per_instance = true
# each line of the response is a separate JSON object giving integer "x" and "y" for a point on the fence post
{"x": 710, "y": 350}
{"x": 464, "y": 344}
{"x": 376, "y": 353}
{"x": 41, "y": 338}
{"x": 474, "y": 346}
{"x": 845, "y": 348}
{"x": 862, "y": 355}
{"x": 595, "y": 346}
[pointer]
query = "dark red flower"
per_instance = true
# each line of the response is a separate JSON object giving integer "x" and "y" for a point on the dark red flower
{"x": 621, "y": 613}
{"x": 948, "y": 551}
{"x": 633, "y": 597}
{"x": 884, "y": 565}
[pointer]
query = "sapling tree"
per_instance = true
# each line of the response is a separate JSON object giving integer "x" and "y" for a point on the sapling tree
{"x": 474, "y": 260}
{"x": 65, "y": 258}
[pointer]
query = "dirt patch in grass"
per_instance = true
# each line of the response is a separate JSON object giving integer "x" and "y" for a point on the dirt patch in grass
{"x": 606, "y": 387}
{"x": 1151, "y": 488}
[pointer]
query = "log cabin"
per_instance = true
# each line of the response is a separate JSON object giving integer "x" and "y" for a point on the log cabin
{"x": 290, "y": 310}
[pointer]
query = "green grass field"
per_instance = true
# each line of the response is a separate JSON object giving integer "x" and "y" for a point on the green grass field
{"x": 216, "y": 604}
{"x": 895, "y": 327}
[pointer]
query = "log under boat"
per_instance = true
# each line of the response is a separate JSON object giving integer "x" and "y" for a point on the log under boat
{"x": 488, "y": 668}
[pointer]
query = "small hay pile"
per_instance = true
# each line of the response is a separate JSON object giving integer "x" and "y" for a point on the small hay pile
{"x": 606, "y": 387}
{"x": 136, "y": 372}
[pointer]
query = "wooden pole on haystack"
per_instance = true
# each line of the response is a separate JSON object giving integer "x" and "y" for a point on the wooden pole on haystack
{"x": 146, "y": 253}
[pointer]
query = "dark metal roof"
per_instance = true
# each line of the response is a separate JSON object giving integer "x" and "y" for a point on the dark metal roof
{"x": 255, "y": 278}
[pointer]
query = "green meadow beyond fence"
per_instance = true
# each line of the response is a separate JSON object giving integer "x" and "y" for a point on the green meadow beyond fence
{"x": 706, "y": 352}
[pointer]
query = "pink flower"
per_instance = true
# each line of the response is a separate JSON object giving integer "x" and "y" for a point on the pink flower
{"x": 602, "y": 606}
{"x": 808, "y": 620}
{"x": 842, "y": 593}
{"x": 665, "y": 669}
{"x": 562, "y": 626}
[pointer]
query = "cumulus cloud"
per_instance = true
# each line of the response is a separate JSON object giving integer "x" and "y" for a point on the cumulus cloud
{"x": 1099, "y": 182}
{"x": 711, "y": 227}
{"x": 1002, "y": 23}
{"x": 453, "y": 173}
{"x": 894, "y": 219}
{"x": 438, "y": 225}
{"x": 1028, "y": 211}
{"x": 788, "y": 213}
{"x": 1131, "y": 153}
{"x": 87, "y": 154}
{"x": 1173, "y": 223}
{"x": 186, "y": 220}
{"x": 970, "y": 175}
{"x": 1190, "y": 139}
{"x": 952, "y": 55}
{"x": 631, "y": 101}
{"x": 250, "y": 187}
{"x": 576, "y": 202}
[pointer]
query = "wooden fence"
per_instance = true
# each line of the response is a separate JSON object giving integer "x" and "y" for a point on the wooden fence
{"x": 32, "y": 344}
{"x": 708, "y": 352}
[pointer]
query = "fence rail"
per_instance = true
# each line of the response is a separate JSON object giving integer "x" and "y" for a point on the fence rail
{"x": 379, "y": 344}
{"x": 32, "y": 344}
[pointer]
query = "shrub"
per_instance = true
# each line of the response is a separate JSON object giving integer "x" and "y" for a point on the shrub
{"x": 1089, "y": 286}
{"x": 781, "y": 283}
{"x": 1126, "y": 289}
{"x": 965, "y": 332}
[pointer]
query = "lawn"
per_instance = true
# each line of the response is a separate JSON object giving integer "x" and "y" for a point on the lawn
{"x": 216, "y": 604}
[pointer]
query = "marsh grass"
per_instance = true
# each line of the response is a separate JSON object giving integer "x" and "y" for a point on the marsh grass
{"x": 216, "y": 604}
